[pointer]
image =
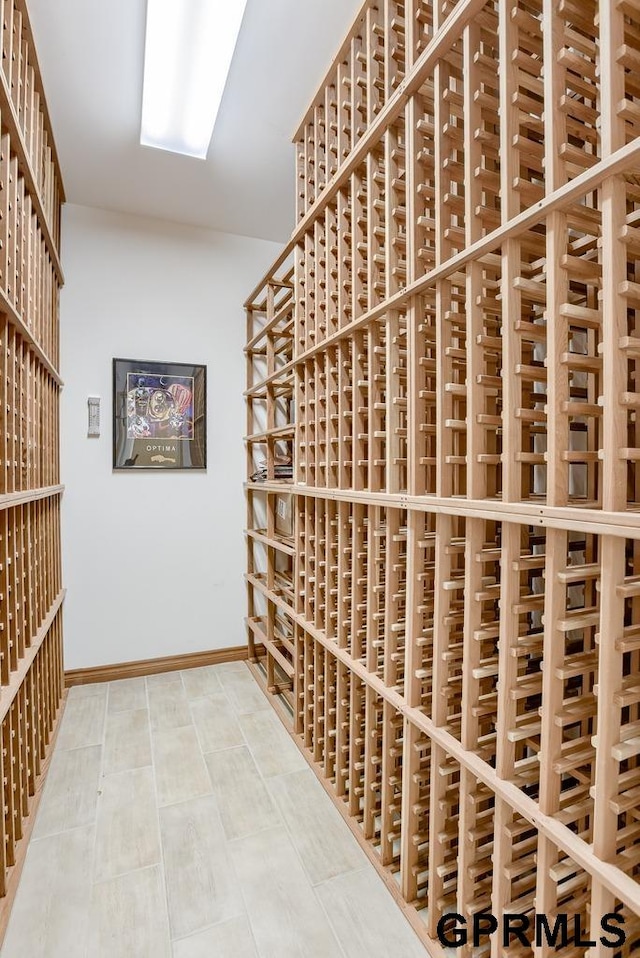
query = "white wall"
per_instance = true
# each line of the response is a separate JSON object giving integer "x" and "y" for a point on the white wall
{"x": 153, "y": 562}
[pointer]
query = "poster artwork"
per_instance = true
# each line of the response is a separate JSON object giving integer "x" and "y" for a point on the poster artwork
{"x": 159, "y": 415}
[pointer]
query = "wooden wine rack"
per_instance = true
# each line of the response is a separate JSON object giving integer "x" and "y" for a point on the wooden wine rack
{"x": 454, "y": 623}
{"x": 31, "y": 674}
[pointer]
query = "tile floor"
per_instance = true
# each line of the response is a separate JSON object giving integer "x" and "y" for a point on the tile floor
{"x": 180, "y": 820}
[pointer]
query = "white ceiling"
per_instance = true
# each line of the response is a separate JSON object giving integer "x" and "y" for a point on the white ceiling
{"x": 91, "y": 55}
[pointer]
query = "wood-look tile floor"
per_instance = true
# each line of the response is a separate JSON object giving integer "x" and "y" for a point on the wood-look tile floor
{"x": 180, "y": 820}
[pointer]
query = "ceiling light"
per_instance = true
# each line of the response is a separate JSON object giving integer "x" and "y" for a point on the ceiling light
{"x": 188, "y": 52}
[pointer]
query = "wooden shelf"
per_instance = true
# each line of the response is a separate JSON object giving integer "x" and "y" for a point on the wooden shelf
{"x": 275, "y": 542}
{"x": 31, "y": 593}
{"x": 461, "y": 596}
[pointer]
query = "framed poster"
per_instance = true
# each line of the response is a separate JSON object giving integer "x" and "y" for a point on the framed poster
{"x": 159, "y": 415}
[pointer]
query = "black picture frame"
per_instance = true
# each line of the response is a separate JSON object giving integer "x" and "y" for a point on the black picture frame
{"x": 159, "y": 415}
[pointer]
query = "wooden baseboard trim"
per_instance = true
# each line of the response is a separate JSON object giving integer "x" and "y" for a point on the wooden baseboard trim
{"x": 13, "y": 875}
{"x": 171, "y": 663}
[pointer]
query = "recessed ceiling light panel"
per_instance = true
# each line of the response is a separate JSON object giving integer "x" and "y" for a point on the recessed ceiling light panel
{"x": 188, "y": 52}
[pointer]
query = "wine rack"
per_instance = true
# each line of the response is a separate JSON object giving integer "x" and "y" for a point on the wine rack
{"x": 462, "y": 598}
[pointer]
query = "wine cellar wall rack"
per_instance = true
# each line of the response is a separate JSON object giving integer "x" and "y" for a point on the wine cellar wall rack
{"x": 446, "y": 356}
{"x": 31, "y": 594}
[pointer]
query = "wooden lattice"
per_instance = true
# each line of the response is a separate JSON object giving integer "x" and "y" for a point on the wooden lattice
{"x": 449, "y": 350}
{"x": 31, "y": 676}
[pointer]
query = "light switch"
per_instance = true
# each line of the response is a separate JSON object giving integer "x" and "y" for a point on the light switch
{"x": 93, "y": 403}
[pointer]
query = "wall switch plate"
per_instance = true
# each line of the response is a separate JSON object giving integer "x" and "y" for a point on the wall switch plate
{"x": 93, "y": 403}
